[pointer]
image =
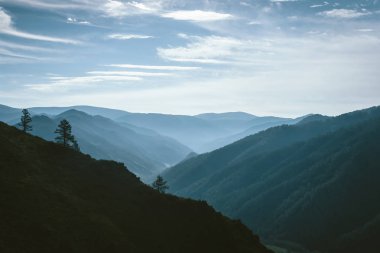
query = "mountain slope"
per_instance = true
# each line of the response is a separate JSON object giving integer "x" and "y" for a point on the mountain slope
{"x": 9, "y": 114}
{"x": 53, "y": 199}
{"x": 315, "y": 184}
{"x": 145, "y": 154}
{"x": 253, "y": 126}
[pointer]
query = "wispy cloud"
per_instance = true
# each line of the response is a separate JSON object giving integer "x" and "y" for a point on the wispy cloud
{"x": 104, "y": 77}
{"x": 343, "y": 13}
{"x": 128, "y": 73}
{"x": 319, "y": 5}
{"x": 48, "y": 5}
{"x": 71, "y": 20}
{"x": 119, "y": 36}
{"x": 17, "y": 53}
{"x": 150, "y": 67}
{"x": 365, "y": 30}
{"x": 13, "y": 45}
{"x": 60, "y": 82}
{"x": 6, "y": 27}
{"x": 8, "y": 53}
{"x": 119, "y": 9}
{"x": 207, "y": 49}
{"x": 197, "y": 15}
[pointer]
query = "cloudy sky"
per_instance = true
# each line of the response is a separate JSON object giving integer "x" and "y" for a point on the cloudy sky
{"x": 266, "y": 57}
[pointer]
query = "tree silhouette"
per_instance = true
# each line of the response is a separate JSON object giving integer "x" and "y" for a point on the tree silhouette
{"x": 64, "y": 135}
{"x": 160, "y": 184}
{"x": 25, "y": 121}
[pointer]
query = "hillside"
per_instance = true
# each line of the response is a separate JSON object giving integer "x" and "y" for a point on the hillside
{"x": 254, "y": 126}
{"x": 146, "y": 153}
{"x": 314, "y": 184}
{"x": 53, "y": 199}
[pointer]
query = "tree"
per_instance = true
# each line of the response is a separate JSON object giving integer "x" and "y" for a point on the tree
{"x": 25, "y": 121}
{"x": 64, "y": 135}
{"x": 160, "y": 184}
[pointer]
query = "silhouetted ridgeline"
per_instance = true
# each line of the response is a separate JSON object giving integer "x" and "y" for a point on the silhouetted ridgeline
{"x": 315, "y": 184}
{"x": 53, "y": 199}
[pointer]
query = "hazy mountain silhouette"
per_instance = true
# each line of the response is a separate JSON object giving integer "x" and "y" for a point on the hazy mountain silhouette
{"x": 144, "y": 152}
{"x": 54, "y": 199}
{"x": 9, "y": 114}
{"x": 91, "y": 110}
{"x": 315, "y": 183}
{"x": 254, "y": 126}
{"x": 202, "y": 133}
{"x": 189, "y": 130}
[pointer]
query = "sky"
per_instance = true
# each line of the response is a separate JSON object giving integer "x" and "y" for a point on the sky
{"x": 265, "y": 57}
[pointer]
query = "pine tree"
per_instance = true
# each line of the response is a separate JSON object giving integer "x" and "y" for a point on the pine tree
{"x": 160, "y": 184}
{"x": 64, "y": 134}
{"x": 25, "y": 121}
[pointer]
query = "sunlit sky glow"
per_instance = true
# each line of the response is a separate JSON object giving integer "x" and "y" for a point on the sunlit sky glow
{"x": 266, "y": 57}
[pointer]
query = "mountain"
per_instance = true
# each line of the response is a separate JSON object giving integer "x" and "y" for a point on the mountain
{"x": 201, "y": 133}
{"x": 54, "y": 199}
{"x": 91, "y": 110}
{"x": 146, "y": 153}
{"x": 188, "y": 130}
{"x": 204, "y": 132}
{"x": 253, "y": 126}
{"x": 313, "y": 184}
{"x": 231, "y": 121}
{"x": 9, "y": 114}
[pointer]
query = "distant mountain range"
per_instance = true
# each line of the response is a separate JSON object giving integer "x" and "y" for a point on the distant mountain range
{"x": 201, "y": 133}
{"x": 312, "y": 185}
{"x": 55, "y": 199}
{"x": 146, "y": 143}
{"x": 205, "y": 132}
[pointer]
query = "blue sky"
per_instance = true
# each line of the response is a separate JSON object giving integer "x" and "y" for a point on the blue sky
{"x": 266, "y": 57}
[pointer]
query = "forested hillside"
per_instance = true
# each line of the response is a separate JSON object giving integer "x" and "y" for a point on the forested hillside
{"x": 55, "y": 199}
{"x": 314, "y": 184}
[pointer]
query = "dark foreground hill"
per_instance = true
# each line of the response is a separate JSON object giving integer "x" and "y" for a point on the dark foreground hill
{"x": 315, "y": 184}
{"x": 54, "y": 199}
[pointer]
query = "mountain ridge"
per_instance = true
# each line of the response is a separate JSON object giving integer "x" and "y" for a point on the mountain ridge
{"x": 279, "y": 188}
